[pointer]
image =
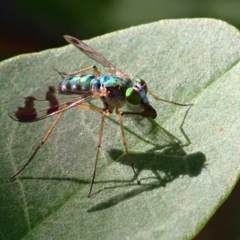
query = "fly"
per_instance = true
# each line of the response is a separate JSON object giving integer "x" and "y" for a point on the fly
{"x": 77, "y": 88}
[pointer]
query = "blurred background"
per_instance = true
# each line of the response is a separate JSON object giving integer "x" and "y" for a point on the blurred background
{"x": 29, "y": 26}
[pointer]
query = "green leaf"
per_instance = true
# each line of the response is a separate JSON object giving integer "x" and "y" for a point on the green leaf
{"x": 189, "y": 61}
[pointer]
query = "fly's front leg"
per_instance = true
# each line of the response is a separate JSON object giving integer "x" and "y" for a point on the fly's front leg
{"x": 125, "y": 143}
{"x": 68, "y": 74}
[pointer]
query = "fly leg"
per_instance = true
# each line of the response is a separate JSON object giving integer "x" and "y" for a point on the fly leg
{"x": 98, "y": 151}
{"x": 104, "y": 114}
{"x": 40, "y": 145}
{"x": 69, "y": 74}
{"x": 120, "y": 116}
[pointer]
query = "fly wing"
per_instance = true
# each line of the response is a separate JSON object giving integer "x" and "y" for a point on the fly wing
{"x": 38, "y": 106}
{"x": 90, "y": 52}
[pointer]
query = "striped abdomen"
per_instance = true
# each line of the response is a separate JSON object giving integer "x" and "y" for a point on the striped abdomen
{"x": 79, "y": 83}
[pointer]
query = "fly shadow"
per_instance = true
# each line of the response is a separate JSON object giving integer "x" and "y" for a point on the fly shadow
{"x": 166, "y": 166}
{"x": 167, "y": 160}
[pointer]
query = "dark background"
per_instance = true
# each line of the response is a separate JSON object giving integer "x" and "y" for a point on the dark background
{"x": 30, "y": 26}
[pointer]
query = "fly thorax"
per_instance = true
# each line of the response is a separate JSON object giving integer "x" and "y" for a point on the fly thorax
{"x": 110, "y": 81}
{"x": 137, "y": 94}
{"x": 115, "y": 96}
{"x": 113, "y": 91}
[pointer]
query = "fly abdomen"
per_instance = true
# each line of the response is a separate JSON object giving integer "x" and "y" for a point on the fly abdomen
{"x": 78, "y": 83}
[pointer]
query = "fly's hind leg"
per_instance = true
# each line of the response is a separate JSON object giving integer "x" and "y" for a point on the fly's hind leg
{"x": 69, "y": 74}
{"x": 39, "y": 146}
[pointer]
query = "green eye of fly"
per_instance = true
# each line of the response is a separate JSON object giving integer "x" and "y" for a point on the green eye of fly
{"x": 137, "y": 94}
{"x": 133, "y": 96}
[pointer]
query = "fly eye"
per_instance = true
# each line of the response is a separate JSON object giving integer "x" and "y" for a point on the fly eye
{"x": 133, "y": 96}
